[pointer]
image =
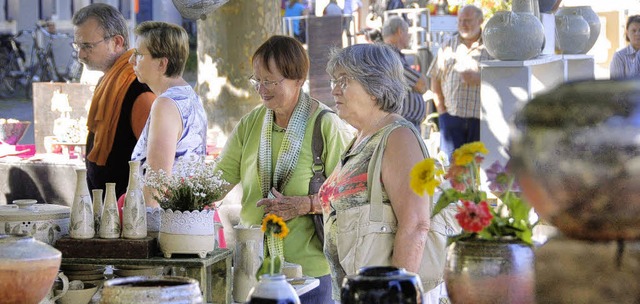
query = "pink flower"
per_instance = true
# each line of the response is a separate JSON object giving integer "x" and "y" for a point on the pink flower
{"x": 499, "y": 179}
{"x": 474, "y": 217}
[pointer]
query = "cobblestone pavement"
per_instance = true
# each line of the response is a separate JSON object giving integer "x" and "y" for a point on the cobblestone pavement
{"x": 21, "y": 109}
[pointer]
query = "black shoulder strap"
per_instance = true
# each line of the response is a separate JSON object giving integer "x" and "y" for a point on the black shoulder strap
{"x": 317, "y": 145}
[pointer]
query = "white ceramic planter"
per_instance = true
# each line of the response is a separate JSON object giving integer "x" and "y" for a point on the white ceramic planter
{"x": 188, "y": 232}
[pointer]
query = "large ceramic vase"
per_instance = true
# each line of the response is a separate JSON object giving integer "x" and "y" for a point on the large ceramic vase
{"x": 186, "y": 232}
{"x": 487, "y": 272}
{"x": 572, "y": 34}
{"x": 151, "y": 290}
{"x": 373, "y": 285}
{"x": 273, "y": 289}
{"x": 513, "y": 36}
{"x": 28, "y": 269}
{"x": 134, "y": 212}
{"x": 82, "y": 224}
{"x": 590, "y": 16}
{"x": 248, "y": 256}
{"x": 575, "y": 151}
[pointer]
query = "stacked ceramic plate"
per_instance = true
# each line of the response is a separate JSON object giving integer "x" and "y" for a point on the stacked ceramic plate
{"x": 134, "y": 270}
{"x": 93, "y": 274}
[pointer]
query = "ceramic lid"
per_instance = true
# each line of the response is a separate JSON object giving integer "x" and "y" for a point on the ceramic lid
{"x": 28, "y": 210}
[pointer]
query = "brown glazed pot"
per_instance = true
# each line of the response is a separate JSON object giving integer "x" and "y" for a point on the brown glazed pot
{"x": 28, "y": 269}
{"x": 487, "y": 272}
{"x": 576, "y": 153}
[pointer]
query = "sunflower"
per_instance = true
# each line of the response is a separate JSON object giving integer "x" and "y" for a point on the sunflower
{"x": 274, "y": 225}
{"x": 423, "y": 177}
{"x": 467, "y": 153}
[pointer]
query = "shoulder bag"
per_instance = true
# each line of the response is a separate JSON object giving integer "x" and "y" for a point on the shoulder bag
{"x": 317, "y": 146}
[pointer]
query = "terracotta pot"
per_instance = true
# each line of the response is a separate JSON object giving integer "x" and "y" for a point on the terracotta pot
{"x": 575, "y": 152}
{"x": 479, "y": 271}
{"x": 590, "y": 16}
{"x": 372, "y": 285}
{"x": 273, "y": 289}
{"x": 188, "y": 232}
{"x": 513, "y": 36}
{"x": 151, "y": 290}
{"x": 28, "y": 269}
{"x": 45, "y": 222}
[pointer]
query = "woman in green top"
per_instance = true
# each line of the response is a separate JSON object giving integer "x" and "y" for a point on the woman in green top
{"x": 269, "y": 153}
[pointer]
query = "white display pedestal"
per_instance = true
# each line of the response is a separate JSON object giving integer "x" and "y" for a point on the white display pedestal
{"x": 506, "y": 85}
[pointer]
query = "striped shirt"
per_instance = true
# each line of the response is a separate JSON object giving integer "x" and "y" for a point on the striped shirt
{"x": 460, "y": 99}
{"x": 625, "y": 63}
{"x": 413, "y": 107}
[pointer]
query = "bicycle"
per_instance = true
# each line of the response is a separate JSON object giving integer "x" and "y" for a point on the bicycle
{"x": 13, "y": 71}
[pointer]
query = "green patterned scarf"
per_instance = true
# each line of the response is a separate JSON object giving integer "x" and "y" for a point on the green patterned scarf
{"x": 289, "y": 150}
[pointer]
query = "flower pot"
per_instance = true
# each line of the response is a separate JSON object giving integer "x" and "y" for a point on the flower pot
{"x": 188, "y": 232}
{"x": 575, "y": 152}
{"x": 151, "y": 290}
{"x": 28, "y": 269}
{"x": 592, "y": 19}
{"x": 513, "y": 36}
{"x": 479, "y": 271}
{"x": 372, "y": 285}
{"x": 273, "y": 289}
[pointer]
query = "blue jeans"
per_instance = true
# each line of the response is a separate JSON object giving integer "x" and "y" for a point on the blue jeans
{"x": 456, "y": 131}
{"x": 320, "y": 294}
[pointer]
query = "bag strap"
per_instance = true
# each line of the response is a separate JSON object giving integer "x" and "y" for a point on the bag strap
{"x": 317, "y": 146}
{"x": 374, "y": 171}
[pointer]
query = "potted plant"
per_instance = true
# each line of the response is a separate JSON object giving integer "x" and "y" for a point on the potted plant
{"x": 491, "y": 260}
{"x": 186, "y": 198}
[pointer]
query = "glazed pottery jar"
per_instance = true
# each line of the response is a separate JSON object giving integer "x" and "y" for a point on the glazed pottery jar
{"x": 576, "y": 154}
{"x": 513, "y": 36}
{"x": 273, "y": 289}
{"x": 45, "y": 222}
{"x": 590, "y": 16}
{"x": 190, "y": 232}
{"x": 485, "y": 272}
{"x": 572, "y": 34}
{"x": 28, "y": 269}
{"x": 383, "y": 284}
{"x": 110, "y": 220}
{"x": 151, "y": 290}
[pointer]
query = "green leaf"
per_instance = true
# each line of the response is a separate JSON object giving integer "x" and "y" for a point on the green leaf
{"x": 447, "y": 197}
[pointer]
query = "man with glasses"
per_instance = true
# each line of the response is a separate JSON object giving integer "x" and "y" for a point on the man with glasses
{"x": 120, "y": 105}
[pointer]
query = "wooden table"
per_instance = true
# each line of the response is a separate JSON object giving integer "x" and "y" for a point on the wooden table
{"x": 213, "y": 272}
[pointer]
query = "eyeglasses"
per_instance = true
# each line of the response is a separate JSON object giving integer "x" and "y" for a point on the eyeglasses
{"x": 138, "y": 54}
{"x": 269, "y": 85}
{"x": 88, "y": 46}
{"x": 341, "y": 81}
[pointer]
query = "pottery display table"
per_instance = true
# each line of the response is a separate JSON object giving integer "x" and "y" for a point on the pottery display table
{"x": 213, "y": 272}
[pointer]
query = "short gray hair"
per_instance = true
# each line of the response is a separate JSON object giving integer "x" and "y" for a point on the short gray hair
{"x": 109, "y": 18}
{"x": 392, "y": 24}
{"x": 378, "y": 68}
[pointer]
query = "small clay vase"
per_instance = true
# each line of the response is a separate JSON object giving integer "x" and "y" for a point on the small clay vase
{"x": 96, "y": 194}
{"x": 110, "y": 220}
{"x": 134, "y": 212}
{"x": 372, "y": 285}
{"x": 273, "y": 289}
{"x": 82, "y": 224}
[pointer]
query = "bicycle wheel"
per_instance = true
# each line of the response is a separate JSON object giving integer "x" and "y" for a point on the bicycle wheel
{"x": 8, "y": 73}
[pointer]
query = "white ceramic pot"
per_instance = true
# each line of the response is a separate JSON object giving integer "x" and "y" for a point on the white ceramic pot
{"x": 188, "y": 232}
{"x": 513, "y": 36}
{"x": 590, "y": 16}
{"x": 45, "y": 222}
{"x": 572, "y": 34}
{"x": 273, "y": 289}
{"x": 151, "y": 290}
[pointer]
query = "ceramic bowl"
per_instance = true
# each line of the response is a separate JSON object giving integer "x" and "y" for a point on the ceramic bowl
{"x": 82, "y": 296}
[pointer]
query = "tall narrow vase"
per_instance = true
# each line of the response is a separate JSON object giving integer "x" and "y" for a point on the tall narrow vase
{"x": 110, "y": 220}
{"x": 97, "y": 207}
{"x": 248, "y": 256}
{"x": 485, "y": 272}
{"x": 134, "y": 212}
{"x": 81, "y": 225}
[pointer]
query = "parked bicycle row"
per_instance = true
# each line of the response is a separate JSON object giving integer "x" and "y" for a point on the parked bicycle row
{"x": 18, "y": 72}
